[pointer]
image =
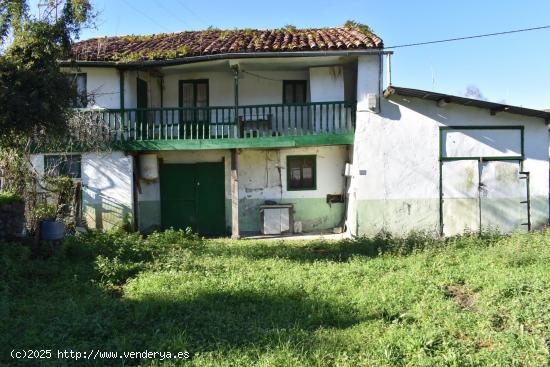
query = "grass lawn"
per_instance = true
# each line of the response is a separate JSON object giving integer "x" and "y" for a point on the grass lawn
{"x": 381, "y": 302}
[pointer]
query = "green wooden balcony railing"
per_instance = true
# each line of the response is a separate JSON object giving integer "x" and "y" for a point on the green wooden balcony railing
{"x": 225, "y": 122}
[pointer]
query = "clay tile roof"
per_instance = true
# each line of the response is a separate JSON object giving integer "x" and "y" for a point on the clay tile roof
{"x": 213, "y": 41}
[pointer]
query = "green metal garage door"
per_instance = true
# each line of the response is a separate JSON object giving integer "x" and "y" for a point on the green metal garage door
{"x": 192, "y": 195}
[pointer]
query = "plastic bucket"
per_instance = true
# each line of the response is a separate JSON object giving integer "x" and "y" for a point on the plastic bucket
{"x": 51, "y": 230}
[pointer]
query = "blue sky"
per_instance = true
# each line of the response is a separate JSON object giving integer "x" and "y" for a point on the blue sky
{"x": 511, "y": 69}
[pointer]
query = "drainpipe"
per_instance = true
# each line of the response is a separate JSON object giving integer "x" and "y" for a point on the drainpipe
{"x": 346, "y": 195}
{"x": 388, "y": 58}
{"x": 235, "y": 230}
{"x": 380, "y": 80}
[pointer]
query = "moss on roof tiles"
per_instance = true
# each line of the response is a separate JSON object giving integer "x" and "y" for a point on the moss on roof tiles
{"x": 132, "y": 48}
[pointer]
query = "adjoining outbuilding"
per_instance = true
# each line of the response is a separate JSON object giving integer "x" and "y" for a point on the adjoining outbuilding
{"x": 443, "y": 163}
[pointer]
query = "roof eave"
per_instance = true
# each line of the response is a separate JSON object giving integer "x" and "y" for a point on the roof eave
{"x": 464, "y": 101}
{"x": 221, "y": 56}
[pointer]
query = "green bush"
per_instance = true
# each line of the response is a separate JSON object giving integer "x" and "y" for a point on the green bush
{"x": 12, "y": 258}
{"x": 45, "y": 211}
{"x": 8, "y": 197}
{"x": 116, "y": 272}
{"x": 386, "y": 243}
{"x": 119, "y": 255}
{"x": 177, "y": 238}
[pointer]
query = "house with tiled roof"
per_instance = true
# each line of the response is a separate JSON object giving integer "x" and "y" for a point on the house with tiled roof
{"x": 293, "y": 130}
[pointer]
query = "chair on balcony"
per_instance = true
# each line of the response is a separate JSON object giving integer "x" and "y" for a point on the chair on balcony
{"x": 255, "y": 127}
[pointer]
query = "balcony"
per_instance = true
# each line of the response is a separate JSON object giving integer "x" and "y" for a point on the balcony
{"x": 270, "y": 125}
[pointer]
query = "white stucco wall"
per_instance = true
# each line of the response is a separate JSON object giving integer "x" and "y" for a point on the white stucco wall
{"x": 395, "y": 182}
{"x": 481, "y": 143}
{"x": 130, "y": 88}
{"x": 262, "y": 176}
{"x": 368, "y": 74}
{"x": 107, "y": 189}
{"x": 102, "y": 85}
{"x": 264, "y": 87}
{"x": 327, "y": 84}
{"x": 368, "y": 79}
{"x": 259, "y": 176}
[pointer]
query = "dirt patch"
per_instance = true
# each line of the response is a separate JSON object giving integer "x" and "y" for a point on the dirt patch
{"x": 485, "y": 344}
{"x": 116, "y": 291}
{"x": 464, "y": 297}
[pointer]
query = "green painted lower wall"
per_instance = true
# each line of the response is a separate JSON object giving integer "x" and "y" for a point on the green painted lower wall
{"x": 371, "y": 216}
{"x": 317, "y": 215}
{"x": 401, "y": 216}
{"x": 460, "y": 214}
{"x": 102, "y": 213}
{"x": 539, "y": 211}
{"x": 395, "y": 216}
{"x": 314, "y": 213}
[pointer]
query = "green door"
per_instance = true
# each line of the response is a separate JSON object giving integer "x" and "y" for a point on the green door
{"x": 192, "y": 195}
{"x": 211, "y": 193}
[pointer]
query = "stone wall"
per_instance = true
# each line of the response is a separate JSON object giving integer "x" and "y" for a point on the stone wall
{"x": 12, "y": 219}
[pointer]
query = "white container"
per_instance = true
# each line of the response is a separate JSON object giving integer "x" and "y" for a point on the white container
{"x": 276, "y": 219}
{"x": 372, "y": 102}
{"x": 148, "y": 167}
{"x": 347, "y": 170}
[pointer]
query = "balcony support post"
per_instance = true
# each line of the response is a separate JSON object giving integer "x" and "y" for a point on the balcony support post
{"x": 121, "y": 89}
{"x": 235, "y": 69}
{"x": 235, "y": 232}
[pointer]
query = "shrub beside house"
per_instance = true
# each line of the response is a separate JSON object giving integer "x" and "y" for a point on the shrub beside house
{"x": 12, "y": 216}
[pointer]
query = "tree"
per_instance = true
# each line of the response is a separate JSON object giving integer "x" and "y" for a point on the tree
{"x": 35, "y": 95}
{"x": 474, "y": 92}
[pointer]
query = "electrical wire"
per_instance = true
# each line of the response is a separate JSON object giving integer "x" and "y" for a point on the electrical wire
{"x": 145, "y": 15}
{"x": 190, "y": 11}
{"x": 167, "y": 11}
{"x": 261, "y": 76}
{"x": 469, "y": 37}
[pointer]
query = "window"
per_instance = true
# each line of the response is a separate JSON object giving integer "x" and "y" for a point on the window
{"x": 79, "y": 82}
{"x": 294, "y": 91}
{"x": 193, "y": 94}
{"x": 301, "y": 172}
{"x": 63, "y": 165}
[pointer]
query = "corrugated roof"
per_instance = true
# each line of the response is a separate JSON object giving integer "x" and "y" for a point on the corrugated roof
{"x": 126, "y": 49}
{"x": 448, "y": 98}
